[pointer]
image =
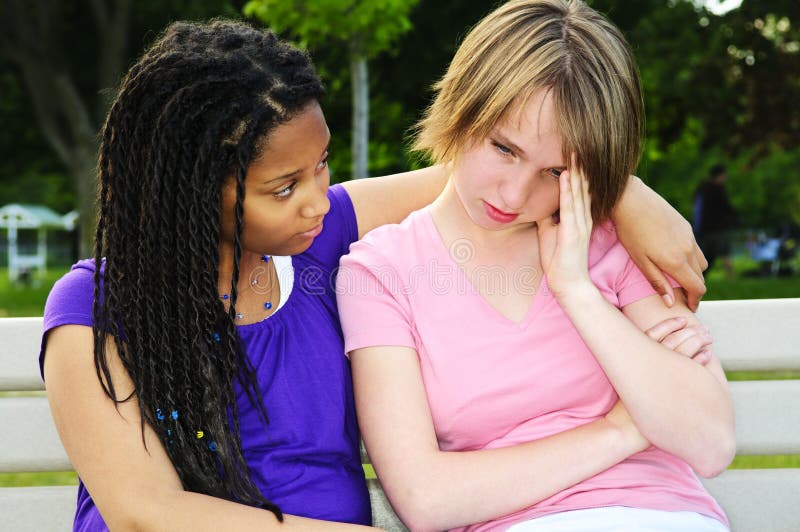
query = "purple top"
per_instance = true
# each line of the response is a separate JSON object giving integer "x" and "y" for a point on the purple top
{"x": 307, "y": 460}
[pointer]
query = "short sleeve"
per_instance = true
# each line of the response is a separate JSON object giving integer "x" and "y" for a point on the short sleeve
{"x": 373, "y": 304}
{"x": 70, "y": 302}
{"x": 339, "y": 230}
{"x": 632, "y": 285}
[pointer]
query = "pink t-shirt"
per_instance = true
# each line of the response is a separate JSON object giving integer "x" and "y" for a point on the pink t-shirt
{"x": 492, "y": 382}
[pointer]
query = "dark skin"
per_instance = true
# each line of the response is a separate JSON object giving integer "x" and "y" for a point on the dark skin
{"x": 286, "y": 198}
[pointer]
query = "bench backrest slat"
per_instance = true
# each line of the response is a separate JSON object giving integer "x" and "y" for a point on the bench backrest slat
{"x": 755, "y": 335}
{"x": 19, "y": 354}
{"x": 33, "y": 444}
{"x": 767, "y": 416}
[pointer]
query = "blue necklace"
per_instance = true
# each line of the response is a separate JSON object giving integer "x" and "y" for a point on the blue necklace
{"x": 254, "y": 282}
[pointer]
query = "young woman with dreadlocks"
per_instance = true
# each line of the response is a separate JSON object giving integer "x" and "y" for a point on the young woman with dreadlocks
{"x": 197, "y": 377}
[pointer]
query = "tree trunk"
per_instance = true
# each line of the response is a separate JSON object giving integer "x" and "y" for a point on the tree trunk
{"x": 360, "y": 145}
{"x": 66, "y": 124}
{"x": 83, "y": 172}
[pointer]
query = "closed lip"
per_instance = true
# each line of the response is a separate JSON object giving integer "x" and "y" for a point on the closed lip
{"x": 314, "y": 231}
{"x": 504, "y": 213}
{"x": 497, "y": 215}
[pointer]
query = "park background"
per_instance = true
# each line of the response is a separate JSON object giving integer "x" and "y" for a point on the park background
{"x": 721, "y": 84}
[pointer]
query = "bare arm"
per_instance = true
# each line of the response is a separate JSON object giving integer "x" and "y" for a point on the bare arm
{"x": 659, "y": 238}
{"x": 436, "y": 490}
{"x": 389, "y": 199}
{"x": 680, "y": 406}
{"x": 134, "y": 489}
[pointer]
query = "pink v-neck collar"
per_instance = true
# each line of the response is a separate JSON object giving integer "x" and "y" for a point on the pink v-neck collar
{"x": 443, "y": 253}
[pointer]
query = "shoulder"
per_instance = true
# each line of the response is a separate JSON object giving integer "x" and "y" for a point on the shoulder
{"x": 383, "y": 261}
{"x": 70, "y": 301}
{"x": 610, "y": 265}
{"x": 393, "y": 244}
{"x": 72, "y": 296}
{"x": 605, "y": 246}
{"x": 614, "y": 272}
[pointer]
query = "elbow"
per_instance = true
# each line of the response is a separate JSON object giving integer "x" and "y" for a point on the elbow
{"x": 718, "y": 456}
{"x": 420, "y": 506}
{"x": 414, "y": 508}
{"x": 419, "y": 524}
{"x": 147, "y": 515}
{"x": 125, "y": 520}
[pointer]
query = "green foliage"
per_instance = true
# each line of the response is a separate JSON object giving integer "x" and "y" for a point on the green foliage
{"x": 38, "y": 186}
{"x": 367, "y": 27}
{"x": 768, "y": 191}
{"x": 764, "y": 186}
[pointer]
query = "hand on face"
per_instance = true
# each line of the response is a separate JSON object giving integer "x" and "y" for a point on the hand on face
{"x": 564, "y": 246}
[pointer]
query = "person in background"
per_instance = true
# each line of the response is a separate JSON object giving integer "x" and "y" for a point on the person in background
{"x": 713, "y": 218}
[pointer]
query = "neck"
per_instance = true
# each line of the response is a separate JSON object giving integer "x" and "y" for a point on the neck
{"x": 248, "y": 263}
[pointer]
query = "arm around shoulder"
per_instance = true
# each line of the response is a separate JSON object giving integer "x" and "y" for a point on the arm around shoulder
{"x": 390, "y": 199}
{"x": 659, "y": 238}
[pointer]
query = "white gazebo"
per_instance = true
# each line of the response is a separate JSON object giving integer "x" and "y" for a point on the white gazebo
{"x": 17, "y": 216}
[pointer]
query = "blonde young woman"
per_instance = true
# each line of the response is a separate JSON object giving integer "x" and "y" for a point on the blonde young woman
{"x": 502, "y": 376}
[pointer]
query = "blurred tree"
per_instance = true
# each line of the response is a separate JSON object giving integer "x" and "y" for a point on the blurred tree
{"x": 366, "y": 28}
{"x": 761, "y": 42}
{"x": 719, "y": 89}
{"x": 69, "y": 64}
{"x": 29, "y": 171}
{"x": 31, "y": 36}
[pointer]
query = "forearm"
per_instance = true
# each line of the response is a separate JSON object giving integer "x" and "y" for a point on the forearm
{"x": 184, "y": 510}
{"x": 441, "y": 490}
{"x": 660, "y": 241}
{"x": 624, "y": 210}
{"x": 390, "y": 199}
{"x": 679, "y": 405}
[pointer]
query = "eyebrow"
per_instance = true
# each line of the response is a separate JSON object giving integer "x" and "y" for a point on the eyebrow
{"x": 294, "y": 173}
{"x": 502, "y": 138}
{"x": 284, "y": 176}
{"x": 505, "y": 140}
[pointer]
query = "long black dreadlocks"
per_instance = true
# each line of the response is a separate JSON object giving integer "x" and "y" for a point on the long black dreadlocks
{"x": 190, "y": 113}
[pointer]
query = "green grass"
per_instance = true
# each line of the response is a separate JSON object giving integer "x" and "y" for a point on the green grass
{"x": 766, "y": 462}
{"x": 752, "y": 288}
{"x": 50, "y": 478}
{"x": 745, "y": 286}
{"x": 762, "y": 375}
{"x": 17, "y": 300}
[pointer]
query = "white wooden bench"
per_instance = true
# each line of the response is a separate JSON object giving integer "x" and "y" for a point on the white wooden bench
{"x": 753, "y": 335}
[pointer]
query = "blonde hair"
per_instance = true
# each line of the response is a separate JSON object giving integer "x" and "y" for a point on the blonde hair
{"x": 562, "y": 46}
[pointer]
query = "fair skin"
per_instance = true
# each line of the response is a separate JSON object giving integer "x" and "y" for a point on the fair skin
{"x": 285, "y": 200}
{"x": 672, "y": 401}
